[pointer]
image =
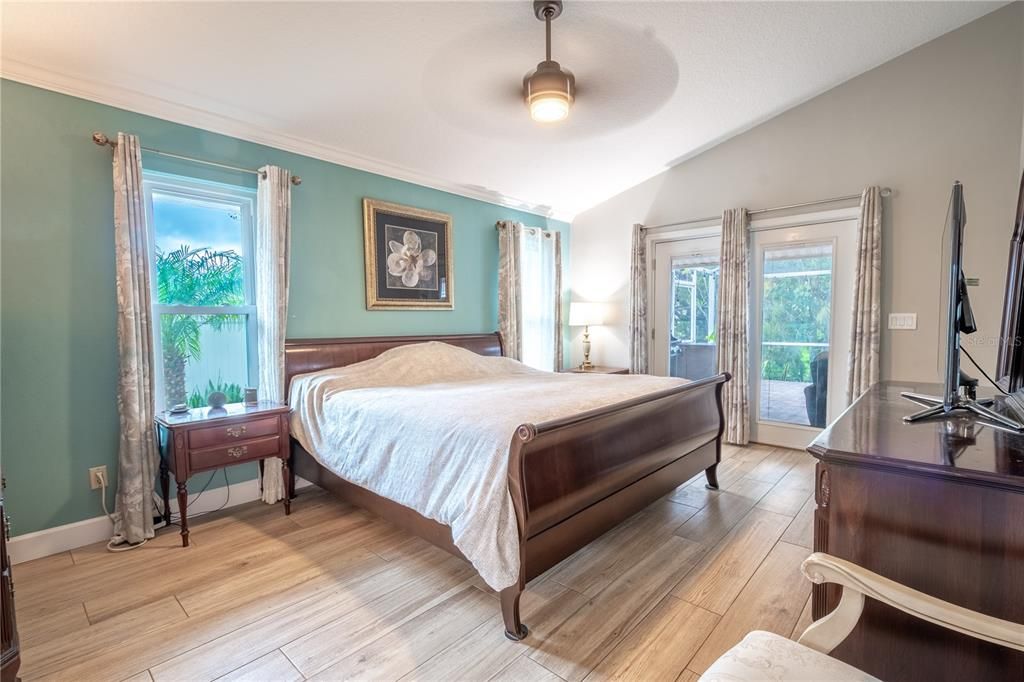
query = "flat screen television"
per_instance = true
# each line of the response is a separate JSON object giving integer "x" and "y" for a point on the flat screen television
{"x": 1010, "y": 362}
{"x": 958, "y": 318}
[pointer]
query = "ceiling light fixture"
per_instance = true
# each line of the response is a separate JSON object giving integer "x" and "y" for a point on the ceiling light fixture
{"x": 549, "y": 90}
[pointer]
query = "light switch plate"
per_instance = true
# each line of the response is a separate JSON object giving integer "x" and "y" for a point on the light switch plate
{"x": 902, "y": 320}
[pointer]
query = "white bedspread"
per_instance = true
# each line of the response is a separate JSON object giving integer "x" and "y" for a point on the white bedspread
{"x": 429, "y": 426}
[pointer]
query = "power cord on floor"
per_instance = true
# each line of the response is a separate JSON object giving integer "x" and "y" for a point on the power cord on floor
{"x": 111, "y": 545}
{"x": 125, "y": 547}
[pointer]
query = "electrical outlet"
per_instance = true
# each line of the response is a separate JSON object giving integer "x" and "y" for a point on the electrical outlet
{"x": 97, "y": 477}
{"x": 902, "y": 320}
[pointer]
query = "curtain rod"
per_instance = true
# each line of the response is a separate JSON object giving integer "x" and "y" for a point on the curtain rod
{"x": 103, "y": 141}
{"x": 886, "y": 191}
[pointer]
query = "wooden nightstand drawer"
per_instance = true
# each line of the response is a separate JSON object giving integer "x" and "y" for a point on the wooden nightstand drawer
{"x": 213, "y": 436}
{"x": 206, "y": 438}
{"x": 213, "y": 458}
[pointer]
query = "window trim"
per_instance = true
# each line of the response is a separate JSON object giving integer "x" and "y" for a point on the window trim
{"x": 229, "y": 195}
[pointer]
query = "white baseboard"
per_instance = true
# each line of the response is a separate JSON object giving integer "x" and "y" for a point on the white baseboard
{"x": 73, "y": 535}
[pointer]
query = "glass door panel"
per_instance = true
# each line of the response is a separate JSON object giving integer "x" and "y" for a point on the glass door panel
{"x": 796, "y": 323}
{"x": 684, "y": 312}
{"x": 694, "y": 292}
{"x": 801, "y": 292}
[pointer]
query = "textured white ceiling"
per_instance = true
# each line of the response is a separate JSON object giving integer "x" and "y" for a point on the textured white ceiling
{"x": 430, "y": 91}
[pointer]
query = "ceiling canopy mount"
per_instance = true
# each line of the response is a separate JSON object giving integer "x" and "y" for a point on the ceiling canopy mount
{"x": 547, "y": 10}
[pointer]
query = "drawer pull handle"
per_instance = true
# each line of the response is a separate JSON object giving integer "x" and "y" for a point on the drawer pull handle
{"x": 236, "y": 431}
{"x": 238, "y": 452}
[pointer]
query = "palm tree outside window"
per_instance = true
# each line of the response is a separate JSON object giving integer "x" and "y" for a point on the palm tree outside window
{"x": 200, "y": 249}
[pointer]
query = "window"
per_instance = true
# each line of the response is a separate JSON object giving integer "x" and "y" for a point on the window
{"x": 204, "y": 315}
{"x": 694, "y": 292}
{"x": 694, "y": 296}
{"x": 540, "y": 297}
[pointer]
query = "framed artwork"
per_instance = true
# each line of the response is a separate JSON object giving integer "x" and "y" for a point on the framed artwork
{"x": 408, "y": 257}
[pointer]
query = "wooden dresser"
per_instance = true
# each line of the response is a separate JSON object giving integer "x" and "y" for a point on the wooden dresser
{"x": 10, "y": 650}
{"x": 937, "y": 506}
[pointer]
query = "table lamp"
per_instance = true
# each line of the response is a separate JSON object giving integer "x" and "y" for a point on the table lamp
{"x": 583, "y": 315}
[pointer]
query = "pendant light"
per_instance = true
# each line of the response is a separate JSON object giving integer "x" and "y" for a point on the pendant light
{"x": 549, "y": 90}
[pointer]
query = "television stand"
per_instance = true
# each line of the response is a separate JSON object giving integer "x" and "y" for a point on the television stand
{"x": 936, "y": 407}
{"x": 1014, "y": 403}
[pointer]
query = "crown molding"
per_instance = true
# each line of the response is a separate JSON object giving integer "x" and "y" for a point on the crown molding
{"x": 142, "y": 103}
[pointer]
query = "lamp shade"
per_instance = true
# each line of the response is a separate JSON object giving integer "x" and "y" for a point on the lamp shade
{"x": 585, "y": 314}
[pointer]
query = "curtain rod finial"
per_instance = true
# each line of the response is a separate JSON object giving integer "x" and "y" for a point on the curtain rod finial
{"x": 100, "y": 139}
{"x": 296, "y": 180}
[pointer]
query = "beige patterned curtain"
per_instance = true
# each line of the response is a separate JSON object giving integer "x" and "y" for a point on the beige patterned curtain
{"x": 865, "y": 329}
{"x": 136, "y": 456}
{"x": 638, "y": 331}
{"x": 733, "y": 313}
{"x": 530, "y": 294}
{"x": 554, "y": 250}
{"x": 510, "y": 305}
{"x": 272, "y": 247}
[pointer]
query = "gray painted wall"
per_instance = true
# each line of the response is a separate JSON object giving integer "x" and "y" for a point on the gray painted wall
{"x": 950, "y": 109}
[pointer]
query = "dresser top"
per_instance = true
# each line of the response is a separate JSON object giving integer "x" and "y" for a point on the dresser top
{"x": 232, "y": 411}
{"x": 872, "y": 433}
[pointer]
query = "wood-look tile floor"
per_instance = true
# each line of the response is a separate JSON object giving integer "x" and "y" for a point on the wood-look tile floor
{"x": 332, "y": 592}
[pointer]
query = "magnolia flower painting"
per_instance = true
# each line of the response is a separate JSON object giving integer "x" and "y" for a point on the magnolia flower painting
{"x": 408, "y": 257}
{"x": 410, "y": 262}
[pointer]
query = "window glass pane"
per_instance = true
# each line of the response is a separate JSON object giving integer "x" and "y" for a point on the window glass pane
{"x": 202, "y": 354}
{"x": 694, "y": 300}
{"x": 199, "y": 250}
{"x": 539, "y": 299}
{"x": 795, "y": 325}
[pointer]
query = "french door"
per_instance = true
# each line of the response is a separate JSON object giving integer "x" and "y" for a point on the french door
{"x": 685, "y": 305}
{"x": 801, "y": 292}
{"x": 800, "y": 295}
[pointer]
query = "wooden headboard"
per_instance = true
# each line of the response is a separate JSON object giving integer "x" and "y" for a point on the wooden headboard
{"x": 310, "y": 355}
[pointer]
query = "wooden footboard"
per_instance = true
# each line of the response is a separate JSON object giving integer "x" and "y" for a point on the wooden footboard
{"x": 573, "y": 479}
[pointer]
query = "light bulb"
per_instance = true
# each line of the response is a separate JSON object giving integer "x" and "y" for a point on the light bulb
{"x": 549, "y": 92}
{"x": 549, "y": 108}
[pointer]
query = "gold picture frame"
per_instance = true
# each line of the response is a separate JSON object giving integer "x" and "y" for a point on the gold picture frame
{"x": 408, "y": 257}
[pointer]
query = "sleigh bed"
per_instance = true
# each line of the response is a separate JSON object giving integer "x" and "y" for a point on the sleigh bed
{"x": 569, "y": 479}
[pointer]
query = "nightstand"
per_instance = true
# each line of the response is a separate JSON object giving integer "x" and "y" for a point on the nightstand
{"x": 209, "y": 438}
{"x": 597, "y": 369}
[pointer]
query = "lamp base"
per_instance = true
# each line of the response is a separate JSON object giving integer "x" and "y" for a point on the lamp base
{"x": 586, "y": 364}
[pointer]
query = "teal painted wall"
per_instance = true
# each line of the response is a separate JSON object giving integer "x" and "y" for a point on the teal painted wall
{"x": 58, "y": 346}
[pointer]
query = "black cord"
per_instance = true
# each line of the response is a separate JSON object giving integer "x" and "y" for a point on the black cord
{"x": 227, "y": 485}
{"x": 176, "y": 518}
{"x": 203, "y": 489}
{"x": 983, "y": 373}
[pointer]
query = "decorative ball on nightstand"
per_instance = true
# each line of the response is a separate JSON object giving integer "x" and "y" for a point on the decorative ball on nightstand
{"x": 216, "y": 399}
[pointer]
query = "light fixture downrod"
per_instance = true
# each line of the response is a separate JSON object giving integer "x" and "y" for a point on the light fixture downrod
{"x": 549, "y": 90}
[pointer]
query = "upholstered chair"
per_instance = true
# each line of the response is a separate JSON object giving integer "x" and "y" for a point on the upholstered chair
{"x": 767, "y": 656}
